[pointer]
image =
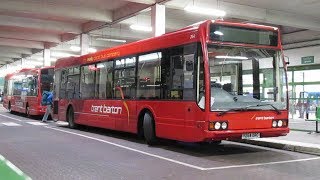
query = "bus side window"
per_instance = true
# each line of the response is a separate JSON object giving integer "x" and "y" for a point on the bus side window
{"x": 177, "y": 71}
{"x": 149, "y": 76}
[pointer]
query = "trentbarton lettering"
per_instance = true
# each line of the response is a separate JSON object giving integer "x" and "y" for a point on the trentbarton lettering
{"x": 106, "y": 109}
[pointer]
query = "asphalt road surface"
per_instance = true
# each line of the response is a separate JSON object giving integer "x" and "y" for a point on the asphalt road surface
{"x": 53, "y": 151}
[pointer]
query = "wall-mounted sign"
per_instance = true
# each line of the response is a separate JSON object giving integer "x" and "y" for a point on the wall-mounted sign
{"x": 307, "y": 60}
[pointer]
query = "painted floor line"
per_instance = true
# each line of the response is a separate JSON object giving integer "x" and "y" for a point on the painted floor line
{"x": 36, "y": 123}
{"x": 19, "y": 173}
{"x": 10, "y": 124}
{"x": 10, "y": 117}
{"x": 182, "y": 163}
{"x": 128, "y": 148}
{"x": 263, "y": 164}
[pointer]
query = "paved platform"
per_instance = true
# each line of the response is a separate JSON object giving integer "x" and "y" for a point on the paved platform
{"x": 297, "y": 141}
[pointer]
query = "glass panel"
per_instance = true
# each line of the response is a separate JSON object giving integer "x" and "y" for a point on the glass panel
{"x": 243, "y": 35}
{"x": 87, "y": 81}
{"x": 149, "y": 76}
{"x": 46, "y": 79}
{"x": 104, "y": 80}
{"x": 246, "y": 76}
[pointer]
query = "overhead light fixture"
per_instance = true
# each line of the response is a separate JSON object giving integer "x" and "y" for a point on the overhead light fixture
{"x": 92, "y": 50}
{"x": 75, "y": 48}
{"x": 141, "y": 28}
{"x": 231, "y": 57}
{"x": 111, "y": 40}
{"x": 206, "y": 11}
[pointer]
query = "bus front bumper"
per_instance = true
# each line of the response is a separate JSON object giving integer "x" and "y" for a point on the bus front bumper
{"x": 238, "y": 134}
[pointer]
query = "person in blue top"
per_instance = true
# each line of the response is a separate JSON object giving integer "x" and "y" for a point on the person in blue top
{"x": 47, "y": 101}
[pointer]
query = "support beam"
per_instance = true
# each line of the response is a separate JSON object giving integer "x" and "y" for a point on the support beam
{"x": 47, "y": 8}
{"x": 8, "y": 60}
{"x": 21, "y": 43}
{"x": 46, "y": 57}
{"x": 84, "y": 44}
{"x": 9, "y": 54}
{"x": 158, "y": 19}
{"x": 27, "y": 35}
{"x": 16, "y": 50}
{"x": 258, "y": 14}
{"x": 131, "y": 10}
{"x": 39, "y": 24}
{"x": 300, "y": 36}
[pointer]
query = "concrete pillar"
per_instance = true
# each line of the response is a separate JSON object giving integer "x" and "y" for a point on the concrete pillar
{"x": 84, "y": 44}
{"x": 158, "y": 19}
{"x": 46, "y": 57}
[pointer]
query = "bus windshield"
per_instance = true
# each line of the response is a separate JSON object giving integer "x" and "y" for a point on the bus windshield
{"x": 246, "y": 77}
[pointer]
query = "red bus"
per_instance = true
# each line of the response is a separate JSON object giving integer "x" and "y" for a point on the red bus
{"x": 211, "y": 81}
{"x": 23, "y": 90}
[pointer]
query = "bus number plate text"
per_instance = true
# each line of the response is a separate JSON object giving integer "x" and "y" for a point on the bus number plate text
{"x": 250, "y": 135}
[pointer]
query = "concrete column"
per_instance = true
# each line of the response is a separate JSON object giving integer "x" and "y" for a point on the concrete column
{"x": 46, "y": 57}
{"x": 84, "y": 44}
{"x": 158, "y": 19}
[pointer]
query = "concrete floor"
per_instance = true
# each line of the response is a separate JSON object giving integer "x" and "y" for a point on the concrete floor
{"x": 53, "y": 151}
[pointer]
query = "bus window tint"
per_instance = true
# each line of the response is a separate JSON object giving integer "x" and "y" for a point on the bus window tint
{"x": 177, "y": 72}
{"x": 46, "y": 79}
{"x": 87, "y": 81}
{"x": 124, "y": 78}
{"x": 149, "y": 76}
{"x": 104, "y": 80}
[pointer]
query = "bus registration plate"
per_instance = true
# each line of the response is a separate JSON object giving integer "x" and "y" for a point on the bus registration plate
{"x": 250, "y": 135}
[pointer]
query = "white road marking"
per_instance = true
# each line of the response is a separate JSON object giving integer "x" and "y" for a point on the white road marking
{"x": 11, "y": 124}
{"x": 14, "y": 168}
{"x": 128, "y": 148}
{"x": 36, "y": 123}
{"x": 183, "y": 163}
{"x": 10, "y": 117}
{"x": 263, "y": 164}
{"x": 62, "y": 123}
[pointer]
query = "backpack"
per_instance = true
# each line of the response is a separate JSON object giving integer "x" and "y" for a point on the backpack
{"x": 44, "y": 101}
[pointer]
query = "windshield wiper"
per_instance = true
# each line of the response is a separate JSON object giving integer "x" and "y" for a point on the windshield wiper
{"x": 276, "y": 109}
{"x": 248, "y": 108}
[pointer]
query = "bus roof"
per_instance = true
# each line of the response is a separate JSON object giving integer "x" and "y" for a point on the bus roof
{"x": 26, "y": 70}
{"x": 186, "y": 35}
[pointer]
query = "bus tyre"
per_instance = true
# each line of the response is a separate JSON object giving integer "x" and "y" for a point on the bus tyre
{"x": 149, "y": 129}
{"x": 70, "y": 119}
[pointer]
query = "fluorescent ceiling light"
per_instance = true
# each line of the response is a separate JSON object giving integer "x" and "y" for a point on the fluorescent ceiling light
{"x": 92, "y": 50}
{"x": 231, "y": 57}
{"x": 141, "y": 28}
{"x": 75, "y": 48}
{"x": 206, "y": 11}
{"x": 111, "y": 40}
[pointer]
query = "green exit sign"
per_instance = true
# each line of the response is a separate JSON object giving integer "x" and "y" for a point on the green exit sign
{"x": 307, "y": 60}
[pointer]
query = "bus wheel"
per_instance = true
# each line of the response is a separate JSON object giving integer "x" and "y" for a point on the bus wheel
{"x": 70, "y": 118}
{"x": 149, "y": 129}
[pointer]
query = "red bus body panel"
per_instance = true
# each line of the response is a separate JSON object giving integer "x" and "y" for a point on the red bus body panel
{"x": 178, "y": 120}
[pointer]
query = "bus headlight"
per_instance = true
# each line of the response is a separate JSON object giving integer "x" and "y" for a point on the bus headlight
{"x": 274, "y": 124}
{"x": 224, "y": 125}
{"x": 217, "y": 125}
{"x": 280, "y": 123}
